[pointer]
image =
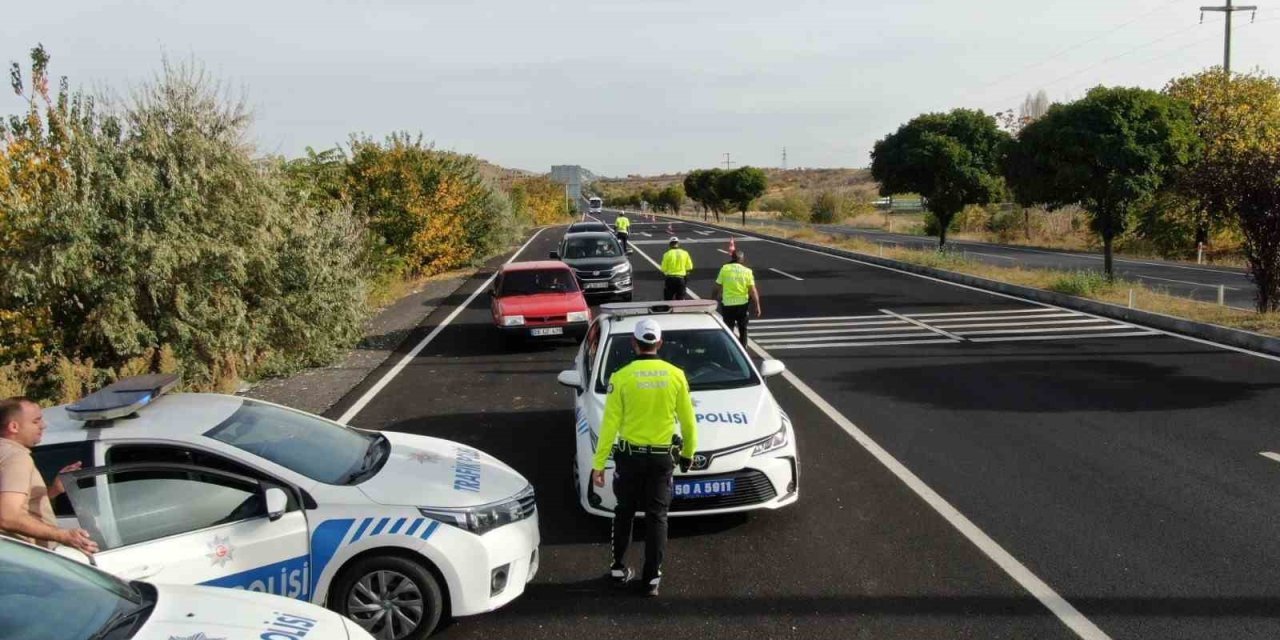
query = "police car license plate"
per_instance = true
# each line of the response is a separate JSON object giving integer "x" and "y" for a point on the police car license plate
{"x": 596, "y": 285}
{"x": 547, "y": 331}
{"x": 703, "y": 488}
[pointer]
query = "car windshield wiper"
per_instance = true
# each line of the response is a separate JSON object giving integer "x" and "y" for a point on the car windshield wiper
{"x": 368, "y": 461}
{"x": 118, "y": 620}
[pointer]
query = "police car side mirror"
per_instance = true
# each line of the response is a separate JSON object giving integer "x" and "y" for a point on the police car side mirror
{"x": 277, "y": 502}
{"x": 770, "y": 368}
{"x": 570, "y": 378}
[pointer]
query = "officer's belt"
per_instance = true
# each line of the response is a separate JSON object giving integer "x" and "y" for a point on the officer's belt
{"x": 627, "y": 447}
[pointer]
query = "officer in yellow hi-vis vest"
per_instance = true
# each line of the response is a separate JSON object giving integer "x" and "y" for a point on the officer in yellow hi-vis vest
{"x": 738, "y": 283}
{"x": 623, "y": 228}
{"x": 676, "y": 266}
{"x": 646, "y": 398}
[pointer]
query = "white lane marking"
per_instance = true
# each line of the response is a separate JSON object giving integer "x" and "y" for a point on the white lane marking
{"x": 951, "y": 322}
{"x": 408, "y": 357}
{"x": 831, "y": 345}
{"x": 784, "y": 273}
{"x": 646, "y": 234}
{"x": 1133, "y": 333}
{"x": 1068, "y": 614}
{"x": 1194, "y": 284}
{"x": 818, "y": 325}
{"x": 723, "y": 251}
{"x": 1065, "y": 612}
{"x": 983, "y": 313}
{"x": 1009, "y": 296}
{"x": 984, "y": 325}
{"x": 927, "y": 326}
{"x": 832, "y": 333}
{"x": 992, "y": 332}
{"x": 1270, "y": 455}
{"x": 705, "y": 233}
{"x": 875, "y": 316}
{"x": 684, "y": 241}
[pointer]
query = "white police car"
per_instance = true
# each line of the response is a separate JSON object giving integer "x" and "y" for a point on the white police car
{"x": 47, "y": 597}
{"x": 389, "y": 529}
{"x": 746, "y": 456}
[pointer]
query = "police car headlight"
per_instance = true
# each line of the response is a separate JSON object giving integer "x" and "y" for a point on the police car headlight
{"x": 485, "y": 518}
{"x": 776, "y": 441}
{"x": 576, "y": 316}
{"x": 512, "y": 321}
{"x": 622, "y": 268}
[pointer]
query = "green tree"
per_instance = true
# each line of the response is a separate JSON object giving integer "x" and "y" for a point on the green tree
{"x": 950, "y": 159}
{"x": 702, "y": 186}
{"x": 671, "y": 198}
{"x": 1110, "y": 151}
{"x": 1237, "y": 119}
{"x": 740, "y": 187}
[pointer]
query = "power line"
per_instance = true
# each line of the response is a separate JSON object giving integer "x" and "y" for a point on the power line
{"x": 1229, "y": 10}
{"x": 1075, "y": 46}
{"x": 1091, "y": 67}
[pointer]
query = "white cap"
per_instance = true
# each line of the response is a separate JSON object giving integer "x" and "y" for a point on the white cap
{"x": 647, "y": 331}
{"x": 673, "y": 240}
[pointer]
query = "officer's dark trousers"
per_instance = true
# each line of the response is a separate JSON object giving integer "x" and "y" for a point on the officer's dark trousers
{"x": 642, "y": 482}
{"x": 673, "y": 288}
{"x": 736, "y": 316}
{"x": 623, "y": 237}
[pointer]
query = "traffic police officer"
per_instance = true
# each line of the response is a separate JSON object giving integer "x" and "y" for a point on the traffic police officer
{"x": 623, "y": 227}
{"x": 738, "y": 283}
{"x": 676, "y": 265}
{"x": 645, "y": 399}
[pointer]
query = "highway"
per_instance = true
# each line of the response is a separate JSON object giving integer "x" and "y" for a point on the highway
{"x": 973, "y": 466}
{"x": 1198, "y": 282}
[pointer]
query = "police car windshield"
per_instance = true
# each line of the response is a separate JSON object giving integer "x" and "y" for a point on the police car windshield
{"x": 527, "y": 283}
{"x": 710, "y": 359}
{"x": 305, "y": 444}
{"x": 596, "y": 247}
{"x": 44, "y": 596}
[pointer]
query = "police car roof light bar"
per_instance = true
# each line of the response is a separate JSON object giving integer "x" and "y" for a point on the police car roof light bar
{"x": 626, "y": 309}
{"x": 122, "y": 398}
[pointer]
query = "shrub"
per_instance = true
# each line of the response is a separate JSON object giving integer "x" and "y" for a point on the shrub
{"x": 1083, "y": 284}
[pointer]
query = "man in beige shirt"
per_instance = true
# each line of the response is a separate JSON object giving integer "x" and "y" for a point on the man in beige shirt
{"x": 25, "y": 509}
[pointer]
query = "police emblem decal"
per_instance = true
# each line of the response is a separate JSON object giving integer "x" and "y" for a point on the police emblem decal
{"x": 220, "y": 551}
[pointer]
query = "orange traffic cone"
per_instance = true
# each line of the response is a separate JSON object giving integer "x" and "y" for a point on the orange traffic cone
{"x": 732, "y": 247}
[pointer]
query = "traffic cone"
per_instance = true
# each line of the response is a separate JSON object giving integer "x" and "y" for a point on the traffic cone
{"x": 670, "y": 231}
{"x": 732, "y": 247}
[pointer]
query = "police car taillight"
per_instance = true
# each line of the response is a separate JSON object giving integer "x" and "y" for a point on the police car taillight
{"x": 122, "y": 398}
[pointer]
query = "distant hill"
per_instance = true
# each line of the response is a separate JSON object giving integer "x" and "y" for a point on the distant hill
{"x": 779, "y": 180}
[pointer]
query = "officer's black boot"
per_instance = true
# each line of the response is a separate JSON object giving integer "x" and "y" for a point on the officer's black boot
{"x": 619, "y": 574}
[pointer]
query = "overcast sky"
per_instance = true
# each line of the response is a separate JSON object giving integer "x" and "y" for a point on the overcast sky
{"x": 625, "y": 87}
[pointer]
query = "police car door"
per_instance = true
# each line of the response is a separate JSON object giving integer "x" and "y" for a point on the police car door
{"x": 188, "y": 524}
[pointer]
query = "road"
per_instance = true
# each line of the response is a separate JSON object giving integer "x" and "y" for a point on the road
{"x": 981, "y": 467}
{"x": 1197, "y": 282}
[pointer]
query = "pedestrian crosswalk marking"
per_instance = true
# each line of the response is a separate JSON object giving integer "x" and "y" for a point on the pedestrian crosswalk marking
{"x": 891, "y": 328}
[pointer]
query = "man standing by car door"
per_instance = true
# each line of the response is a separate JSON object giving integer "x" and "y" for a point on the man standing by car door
{"x": 25, "y": 509}
{"x": 676, "y": 265}
{"x": 645, "y": 398}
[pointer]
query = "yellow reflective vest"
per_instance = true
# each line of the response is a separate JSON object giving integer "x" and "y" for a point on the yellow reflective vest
{"x": 646, "y": 398}
{"x": 676, "y": 262}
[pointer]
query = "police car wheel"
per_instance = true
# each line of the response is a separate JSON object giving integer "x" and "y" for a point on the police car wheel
{"x": 392, "y": 598}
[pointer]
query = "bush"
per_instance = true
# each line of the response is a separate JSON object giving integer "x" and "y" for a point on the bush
{"x": 828, "y": 208}
{"x": 1083, "y": 284}
{"x": 790, "y": 206}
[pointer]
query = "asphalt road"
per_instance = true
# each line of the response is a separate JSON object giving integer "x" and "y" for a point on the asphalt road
{"x": 1198, "y": 282}
{"x": 1119, "y": 466}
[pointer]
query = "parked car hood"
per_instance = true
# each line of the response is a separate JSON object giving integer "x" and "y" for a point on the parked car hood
{"x": 422, "y": 471}
{"x": 542, "y": 304}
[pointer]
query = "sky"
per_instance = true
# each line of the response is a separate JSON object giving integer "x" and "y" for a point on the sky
{"x": 624, "y": 87}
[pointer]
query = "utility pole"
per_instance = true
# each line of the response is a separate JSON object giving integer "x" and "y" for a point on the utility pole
{"x": 784, "y": 158}
{"x": 727, "y": 163}
{"x": 1228, "y": 9}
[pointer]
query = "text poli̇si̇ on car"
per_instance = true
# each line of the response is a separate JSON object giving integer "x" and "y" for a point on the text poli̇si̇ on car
{"x": 389, "y": 529}
{"x": 538, "y": 300}
{"x": 44, "y": 596}
{"x": 746, "y": 456}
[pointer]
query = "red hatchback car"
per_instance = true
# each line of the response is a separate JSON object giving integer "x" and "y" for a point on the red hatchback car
{"x": 539, "y": 300}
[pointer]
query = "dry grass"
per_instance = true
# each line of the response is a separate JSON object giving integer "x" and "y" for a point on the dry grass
{"x": 1084, "y": 284}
